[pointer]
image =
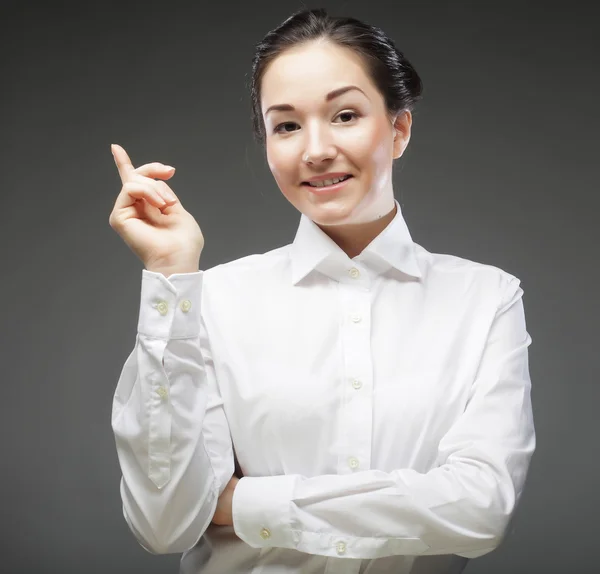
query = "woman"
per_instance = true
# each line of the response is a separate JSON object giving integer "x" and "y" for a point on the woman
{"x": 376, "y": 396}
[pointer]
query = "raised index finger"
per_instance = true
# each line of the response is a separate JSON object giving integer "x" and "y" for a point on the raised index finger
{"x": 123, "y": 162}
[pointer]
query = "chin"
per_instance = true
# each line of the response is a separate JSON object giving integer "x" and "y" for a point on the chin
{"x": 328, "y": 214}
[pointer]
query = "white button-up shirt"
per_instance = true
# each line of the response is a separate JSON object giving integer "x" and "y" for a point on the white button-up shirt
{"x": 379, "y": 408}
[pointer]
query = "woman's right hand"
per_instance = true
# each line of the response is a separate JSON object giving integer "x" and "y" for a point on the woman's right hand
{"x": 152, "y": 221}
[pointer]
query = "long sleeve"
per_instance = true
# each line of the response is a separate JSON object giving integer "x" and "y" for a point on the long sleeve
{"x": 461, "y": 506}
{"x": 172, "y": 438}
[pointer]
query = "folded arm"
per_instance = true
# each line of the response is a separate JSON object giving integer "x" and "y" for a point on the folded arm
{"x": 462, "y": 506}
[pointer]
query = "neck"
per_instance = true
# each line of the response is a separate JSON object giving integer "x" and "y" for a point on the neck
{"x": 353, "y": 238}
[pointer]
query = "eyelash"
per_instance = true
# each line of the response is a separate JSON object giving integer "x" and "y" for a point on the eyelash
{"x": 355, "y": 114}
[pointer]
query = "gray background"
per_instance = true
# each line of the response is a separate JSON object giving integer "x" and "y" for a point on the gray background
{"x": 500, "y": 169}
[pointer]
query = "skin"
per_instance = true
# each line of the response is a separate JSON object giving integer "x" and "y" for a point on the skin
{"x": 223, "y": 514}
{"x": 318, "y": 138}
{"x": 364, "y": 146}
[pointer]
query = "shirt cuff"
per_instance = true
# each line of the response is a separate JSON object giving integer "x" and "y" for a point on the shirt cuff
{"x": 261, "y": 511}
{"x": 170, "y": 308}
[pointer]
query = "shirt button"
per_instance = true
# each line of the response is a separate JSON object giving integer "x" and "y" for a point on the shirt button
{"x": 353, "y": 462}
{"x": 341, "y": 547}
{"x": 162, "y": 392}
{"x": 354, "y": 273}
{"x": 265, "y": 533}
{"x": 355, "y": 318}
{"x": 356, "y": 383}
{"x": 163, "y": 307}
{"x": 186, "y": 305}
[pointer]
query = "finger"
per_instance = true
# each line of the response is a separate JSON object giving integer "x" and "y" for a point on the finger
{"x": 159, "y": 186}
{"x": 135, "y": 190}
{"x": 151, "y": 213}
{"x": 156, "y": 170}
{"x": 141, "y": 209}
{"x": 166, "y": 192}
{"x": 122, "y": 161}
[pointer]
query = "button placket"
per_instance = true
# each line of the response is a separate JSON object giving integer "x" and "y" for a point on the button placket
{"x": 356, "y": 413}
{"x": 163, "y": 308}
{"x": 159, "y": 430}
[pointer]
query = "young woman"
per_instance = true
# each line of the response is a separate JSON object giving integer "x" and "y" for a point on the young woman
{"x": 375, "y": 396}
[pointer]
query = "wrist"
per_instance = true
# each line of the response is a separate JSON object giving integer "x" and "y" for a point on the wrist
{"x": 168, "y": 270}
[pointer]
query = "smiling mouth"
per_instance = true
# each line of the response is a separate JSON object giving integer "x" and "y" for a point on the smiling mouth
{"x": 327, "y": 190}
{"x": 321, "y": 184}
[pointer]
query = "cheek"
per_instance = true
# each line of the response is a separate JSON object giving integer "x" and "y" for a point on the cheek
{"x": 280, "y": 162}
{"x": 370, "y": 146}
{"x": 381, "y": 148}
{"x": 283, "y": 169}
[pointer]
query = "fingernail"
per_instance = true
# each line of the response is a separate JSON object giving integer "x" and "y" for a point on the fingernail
{"x": 169, "y": 167}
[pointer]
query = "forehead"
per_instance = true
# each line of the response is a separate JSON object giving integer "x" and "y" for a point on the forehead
{"x": 308, "y": 72}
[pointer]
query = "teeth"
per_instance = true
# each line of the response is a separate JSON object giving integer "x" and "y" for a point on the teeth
{"x": 328, "y": 181}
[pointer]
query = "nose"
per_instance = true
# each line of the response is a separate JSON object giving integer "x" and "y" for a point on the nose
{"x": 319, "y": 146}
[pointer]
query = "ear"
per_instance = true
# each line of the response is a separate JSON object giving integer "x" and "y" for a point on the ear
{"x": 401, "y": 125}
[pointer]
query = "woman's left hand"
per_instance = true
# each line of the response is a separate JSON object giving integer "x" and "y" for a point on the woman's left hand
{"x": 223, "y": 514}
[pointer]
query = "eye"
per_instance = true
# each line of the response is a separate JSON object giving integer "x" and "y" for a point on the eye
{"x": 277, "y": 128}
{"x": 348, "y": 113}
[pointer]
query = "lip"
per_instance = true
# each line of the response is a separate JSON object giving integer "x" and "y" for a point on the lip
{"x": 331, "y": 175}
{"x": 328, "y": 188}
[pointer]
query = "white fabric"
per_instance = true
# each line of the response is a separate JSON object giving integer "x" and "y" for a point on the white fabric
{"x": 379, "y": 408}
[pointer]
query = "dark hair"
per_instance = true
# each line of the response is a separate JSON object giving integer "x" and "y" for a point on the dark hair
{"x": 390, "y": 71}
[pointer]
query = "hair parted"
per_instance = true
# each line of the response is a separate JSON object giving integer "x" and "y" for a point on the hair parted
{"x": 391, "y": 72}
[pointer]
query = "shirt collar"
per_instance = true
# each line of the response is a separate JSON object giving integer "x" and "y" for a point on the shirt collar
{"x": 313, "y": 249}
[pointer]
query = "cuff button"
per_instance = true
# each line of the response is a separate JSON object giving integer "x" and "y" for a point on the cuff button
{"x": 265, "y": 533}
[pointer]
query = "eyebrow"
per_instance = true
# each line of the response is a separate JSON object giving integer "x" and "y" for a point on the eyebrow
{"x": 330, "y": 96}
